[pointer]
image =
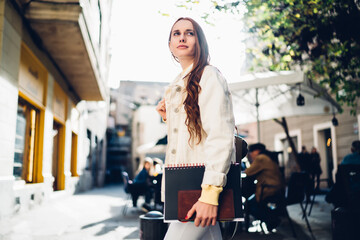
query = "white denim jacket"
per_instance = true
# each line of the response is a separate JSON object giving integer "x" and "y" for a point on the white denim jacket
{"x": 216, "y": 149}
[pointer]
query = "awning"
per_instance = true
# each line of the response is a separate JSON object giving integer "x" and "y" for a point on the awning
{"x": 265, "y": 96}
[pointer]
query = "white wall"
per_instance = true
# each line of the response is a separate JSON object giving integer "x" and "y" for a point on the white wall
{"x": 147, "y": 128}
{"x": 9, "y": 69}
{"x": 152, "y": 127}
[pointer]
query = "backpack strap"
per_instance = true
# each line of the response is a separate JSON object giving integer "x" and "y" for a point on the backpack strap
{"x": 241, "y": 147}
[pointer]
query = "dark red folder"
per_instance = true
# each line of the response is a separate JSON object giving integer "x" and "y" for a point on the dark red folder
{"x": 183, "y": 189}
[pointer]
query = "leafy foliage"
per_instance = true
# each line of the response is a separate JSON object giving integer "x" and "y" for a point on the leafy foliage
{"x": 320, "y": 36}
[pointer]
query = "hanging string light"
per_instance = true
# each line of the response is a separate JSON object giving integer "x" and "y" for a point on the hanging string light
{"x": 334, "y": 120}
{"x": 300, "y": 100}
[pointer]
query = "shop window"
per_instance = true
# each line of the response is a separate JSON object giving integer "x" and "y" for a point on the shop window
{"x": 25, "y": 141}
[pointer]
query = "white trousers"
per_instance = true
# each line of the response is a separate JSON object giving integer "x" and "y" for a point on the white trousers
{"x": 188, "y": 231}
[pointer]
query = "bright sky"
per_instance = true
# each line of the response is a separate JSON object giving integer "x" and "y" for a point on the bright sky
{"x": 140, "y": 41}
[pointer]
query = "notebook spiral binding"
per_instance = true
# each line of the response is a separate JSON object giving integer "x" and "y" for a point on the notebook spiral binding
{"x": 184, "y": 166}
{"x": 188, "y": 165}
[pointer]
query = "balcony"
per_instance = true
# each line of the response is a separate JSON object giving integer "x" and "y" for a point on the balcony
{"x": 70, "y": 32}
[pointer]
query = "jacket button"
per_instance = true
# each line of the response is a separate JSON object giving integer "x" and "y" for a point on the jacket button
{"x": 173, "y": 151}
{"x": 178, "y": 89}
{"x": 176, "y": 110}
{"x": 175, "y": 130}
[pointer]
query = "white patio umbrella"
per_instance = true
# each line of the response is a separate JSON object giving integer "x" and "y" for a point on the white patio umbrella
{"x": 264, "y": 96}
{"x": 151, "y": 148}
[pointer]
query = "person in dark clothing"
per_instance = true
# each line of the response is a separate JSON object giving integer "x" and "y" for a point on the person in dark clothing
{"x": 336, "y": 195}
{"x": 264, "y": 167}
{"x": 315, "y": 168}
{"x": 142, "y": 184}
{"x": 354, "y": 156}
{"x": 143, "y": 176}
{"x": 304, "y": 160}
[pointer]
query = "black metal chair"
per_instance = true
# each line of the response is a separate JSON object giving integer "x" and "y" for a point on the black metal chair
{"x": 133, "y": 192}
{"x": 349, "y": 177}
{"x": 295, "y": 194}
{"x": 314, "y": 191}
{"x": 346, "y": 197}
{"x": 126, "y": 182}
{"x": 276, "y": 205}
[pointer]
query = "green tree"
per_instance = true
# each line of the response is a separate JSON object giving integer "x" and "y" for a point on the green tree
{"x": 322, "y": 37}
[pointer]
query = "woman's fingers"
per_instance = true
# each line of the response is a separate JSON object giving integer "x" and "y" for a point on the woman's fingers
{"x": 161, "y": 105}
{"x": 204, "y": 222}
{"x": 190, "y": 212}
{"x": 213, "y": 222}
{"x": 161, "y": 108}
{"x": 205, "y": 214}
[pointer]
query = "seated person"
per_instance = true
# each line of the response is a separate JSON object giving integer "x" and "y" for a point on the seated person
{"x": 158, "y": 166}
{"x": 336, "y": 195}
{"x": 157, "y": 176}
{"x": 142, "y": 184}
{"x": 354, "y": 156}
{"x": 264, "y": 167}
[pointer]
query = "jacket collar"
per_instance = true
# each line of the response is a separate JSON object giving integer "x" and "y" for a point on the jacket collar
{"x": 186, "y": 71}
{"x": 180, "y": 79}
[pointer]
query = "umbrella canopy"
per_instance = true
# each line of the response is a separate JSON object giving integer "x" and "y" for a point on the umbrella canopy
{"x": 150, "y": 148}
{"x": 153, "y": 147}
{"x": 162, "y": 141}
{"x": 265, "y": 96}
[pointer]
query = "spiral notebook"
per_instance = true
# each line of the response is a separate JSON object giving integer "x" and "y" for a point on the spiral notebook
{"x": 183, "y": 189}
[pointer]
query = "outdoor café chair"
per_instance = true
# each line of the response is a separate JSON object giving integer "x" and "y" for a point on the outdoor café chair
{"x": 295, "y": 194}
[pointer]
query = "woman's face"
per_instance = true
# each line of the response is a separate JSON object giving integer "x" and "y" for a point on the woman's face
{"x": 182, "y": 41}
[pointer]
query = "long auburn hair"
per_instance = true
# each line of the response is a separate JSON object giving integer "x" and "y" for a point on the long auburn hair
{"x": 201, "y": 60}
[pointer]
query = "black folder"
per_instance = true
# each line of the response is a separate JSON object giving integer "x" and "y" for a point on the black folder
{"x": 183, "y": 189}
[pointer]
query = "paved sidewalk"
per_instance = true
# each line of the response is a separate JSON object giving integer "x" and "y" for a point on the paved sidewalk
{"x": 97, "y": 214}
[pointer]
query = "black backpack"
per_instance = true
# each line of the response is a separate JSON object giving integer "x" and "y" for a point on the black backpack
{"x": 241, "y": 148}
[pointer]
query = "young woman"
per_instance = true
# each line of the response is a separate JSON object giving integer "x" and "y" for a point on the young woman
{"x": 197, "y": 108}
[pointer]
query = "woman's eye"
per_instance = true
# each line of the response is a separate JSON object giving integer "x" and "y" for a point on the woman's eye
{"x": 190, "y": 33}
{"x": 176, "y": 34}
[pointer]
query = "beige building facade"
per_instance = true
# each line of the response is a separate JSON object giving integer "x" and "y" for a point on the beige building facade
{"x": 332, "y": 142}
{"x": 53, "y": 99}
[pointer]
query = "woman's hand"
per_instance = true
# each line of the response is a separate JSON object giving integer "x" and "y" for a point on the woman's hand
{"x": 205, "y": 214}
{"x": 161, "y": 109}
